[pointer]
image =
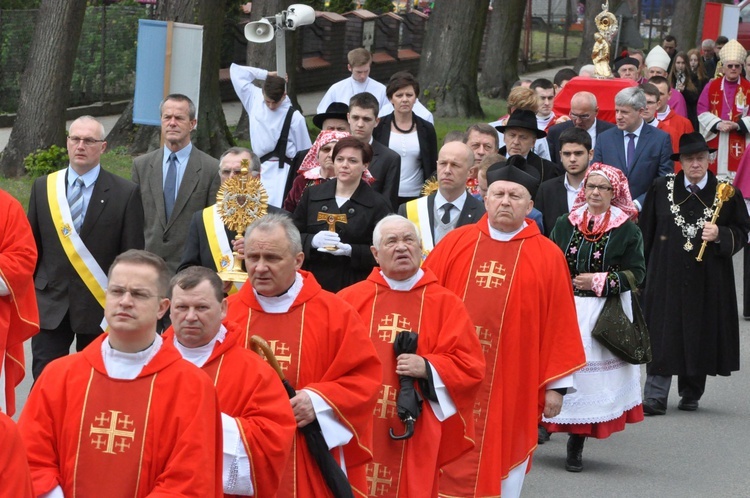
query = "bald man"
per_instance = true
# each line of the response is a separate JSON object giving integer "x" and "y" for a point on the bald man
{"x": 583, "y": 111}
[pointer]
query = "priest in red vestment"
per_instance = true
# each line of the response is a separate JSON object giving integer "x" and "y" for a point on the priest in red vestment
{"x": 127, "y": 416}
{"x": 322, "y": 346}
{"x": 257, "y": 420}
{"x": 723, "y": 111}
{"x": 15, "y": 479}
{"x": 19, "y": 315}
{"x": 448, "y": 364}
{"x": 516, "y": 287}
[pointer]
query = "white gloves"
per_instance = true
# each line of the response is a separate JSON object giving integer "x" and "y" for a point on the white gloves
{"x": 325, "y": 238}
{"x": 342, "y": 250}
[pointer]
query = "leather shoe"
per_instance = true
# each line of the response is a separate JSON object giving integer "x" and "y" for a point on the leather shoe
{"x": 653, "y": 406}
{"x": 688, "y": 404}
{"x": 542, "y": 435}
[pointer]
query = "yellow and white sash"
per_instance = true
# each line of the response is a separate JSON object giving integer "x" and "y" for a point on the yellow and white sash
{"x": 218, "y": 242}
{"x": 78, "y": 254}
{"x": 418, "y": 212}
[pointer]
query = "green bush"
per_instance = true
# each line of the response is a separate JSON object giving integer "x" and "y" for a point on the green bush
{"x": 46, "y": 161}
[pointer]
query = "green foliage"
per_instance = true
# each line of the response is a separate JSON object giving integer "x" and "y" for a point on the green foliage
{"x": 340, "y": 6}
{"x": 46, "y": 161}
{"x": 379, "y": 6}
{"x": 19, "y": 4}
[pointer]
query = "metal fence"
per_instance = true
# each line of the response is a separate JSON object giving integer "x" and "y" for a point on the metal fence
{"x": 104, "y": 66}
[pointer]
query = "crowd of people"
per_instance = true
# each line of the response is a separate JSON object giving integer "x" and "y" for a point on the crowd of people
{"x": 419, "y": 354}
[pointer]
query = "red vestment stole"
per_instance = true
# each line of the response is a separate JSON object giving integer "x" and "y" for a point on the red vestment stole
{"x": 486, "y": 291}
{"x": 727, "y": 110}
{"x": 111, "y": 441}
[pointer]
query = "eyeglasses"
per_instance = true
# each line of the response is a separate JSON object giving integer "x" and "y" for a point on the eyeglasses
{"x": 600, "y": 188}
{"x": 87, "y": 141}
{"x": 138, "y": 295}
{"x": 733, "y": 66}
{"x": 582, "y": 117}
{"x": 651, "y": 102}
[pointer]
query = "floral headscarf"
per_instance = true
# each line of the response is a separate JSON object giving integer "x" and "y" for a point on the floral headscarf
{"x": 311, "y": 159}
{"x": 621, "y": 206}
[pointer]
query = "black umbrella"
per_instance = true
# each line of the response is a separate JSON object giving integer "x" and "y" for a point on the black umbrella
{"x": 409, "y": 402}
{"x": 334, "y": 476}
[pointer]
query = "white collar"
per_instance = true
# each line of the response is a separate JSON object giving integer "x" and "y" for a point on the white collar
{"x": 199, "y": 356}
{"x": 568, "y": 186}
{"x": 458, "y": 203}
{"x": 701, "y": 184}
{"x": 127, "y": 366}
{"x": 403, "y": 285}
{"x": 282, "y": 303}
{"x": 661, "y": 116}
{"x": 505, "y": 236}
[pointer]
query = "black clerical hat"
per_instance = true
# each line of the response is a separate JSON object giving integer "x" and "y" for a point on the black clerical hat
{"x": 624, "y": 61}
{"x": 522, "y": 119}
{"x": 336, "y": 110}
{"x": 515, "y": 170}
{"x": 691, "y": 143}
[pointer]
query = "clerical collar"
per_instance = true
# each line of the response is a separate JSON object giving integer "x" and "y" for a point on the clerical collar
{"x": 505, "y": 236}
{"x": 199, "y": 356}
{"x": 403, "y": 285}
{"x": 701, "y": 184}
{"x": 127, "y": 366}
{"x": 661, "y": 116}
{"x": 282, "y": 303}
{"x": 654, "y": 122}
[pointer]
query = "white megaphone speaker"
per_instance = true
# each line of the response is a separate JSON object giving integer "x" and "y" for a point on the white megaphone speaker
{"x": 299, "y": 15}
{"x": 259, "y": 31}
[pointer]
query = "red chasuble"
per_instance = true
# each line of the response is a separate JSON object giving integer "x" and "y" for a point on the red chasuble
{"x": 15, "y": 479}
{"x": 322, "y": 346}
{"x": 250, "y": 391}
{"x": 519, "y": 296}
{"x": 721, "y": 106}
{"x": 156, "y": 435}
{"x": 409, "y": 469}
{"x": 19, "y": 315}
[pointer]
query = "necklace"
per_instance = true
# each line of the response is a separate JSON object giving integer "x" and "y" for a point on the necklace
{"x": 590, "y": 234}
{"x": 405, "y": 132}
{"x": 689, "y": 230}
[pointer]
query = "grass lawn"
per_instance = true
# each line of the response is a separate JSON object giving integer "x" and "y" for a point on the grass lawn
{"x": 120, "y": 164}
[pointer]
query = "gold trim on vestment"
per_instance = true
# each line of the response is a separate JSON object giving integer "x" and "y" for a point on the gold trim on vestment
{"x": 145, "y": 433}
{"x": 80, "y": 431}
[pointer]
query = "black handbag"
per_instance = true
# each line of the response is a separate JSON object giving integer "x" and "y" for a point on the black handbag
{"x": 627, "y": 340}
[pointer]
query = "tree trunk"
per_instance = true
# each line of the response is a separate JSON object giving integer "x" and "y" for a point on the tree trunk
{"x": 685, "y": 23}
{"x": 500, "y": 66}
{"x": 593, "y": 7}
{"x": 45, "y": 85}
{"x": 450, "y": 58}
{"x": 212, "y": 135}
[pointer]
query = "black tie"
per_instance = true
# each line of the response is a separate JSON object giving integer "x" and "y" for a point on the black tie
{"x": 694, "y": 189}
{"x": 446, "y": 213}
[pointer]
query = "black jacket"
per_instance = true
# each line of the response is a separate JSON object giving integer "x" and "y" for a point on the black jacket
{"x": 425, "y": 134}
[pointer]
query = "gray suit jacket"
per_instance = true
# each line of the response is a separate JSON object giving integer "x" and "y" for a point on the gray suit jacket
{"x": 197, "y": 191}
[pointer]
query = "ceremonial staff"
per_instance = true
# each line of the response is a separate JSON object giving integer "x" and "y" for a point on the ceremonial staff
{"x": 724, "y": 191}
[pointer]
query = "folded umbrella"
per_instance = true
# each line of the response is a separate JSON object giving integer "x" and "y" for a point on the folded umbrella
{"x": 409, "y": 401}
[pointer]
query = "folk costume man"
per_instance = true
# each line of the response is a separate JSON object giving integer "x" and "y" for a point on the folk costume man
{"x": 699, "y": 335}
{"x": 19, "y": 315}
{"x": 277, "y": 130}
{"x": 256, "y": 418}
{"x": 127, "y": 416}
{"x": 448, "y": 364}
{"x": 176, "y": 181}
{"x": 723, "y": 111}
{"x": 322, "y": 347}
{"x": 82, "y": 217}
{"x": 531, "y": 346}
{"x": 450, "y": 206}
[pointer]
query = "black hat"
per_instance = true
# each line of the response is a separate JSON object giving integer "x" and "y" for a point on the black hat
{"x": 627, "y": 60}
{"x": 515, "y": 170}
{"x": 691, "y": 143}
{"x": 522, "y": 119}
{"x": 336, "y": 110}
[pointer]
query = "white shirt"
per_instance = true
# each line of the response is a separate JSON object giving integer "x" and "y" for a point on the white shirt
{"x": 592, "y": 133}
{"x": 541, "y": 147}
{"x": 344, "y": 90}
{"x": 571, "y": 191}
{"x": 412, "y": 177}
{"x": 458, "y": 205}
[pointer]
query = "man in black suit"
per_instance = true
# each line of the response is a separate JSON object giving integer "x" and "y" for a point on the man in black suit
{"x": 555, "y": 197}
{"x": 176, "y": 181}
{"x": 82, "y": 217}
{"x": 385, "y": 166}
{"x": 583, "y": 111}
{"x": 641, "y": 151}
{"x": 450, "y": 206}
{"x": 206, "y": 224}
{"x": 520, "y": 133}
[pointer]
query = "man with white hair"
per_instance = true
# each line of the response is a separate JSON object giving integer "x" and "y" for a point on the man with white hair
{"x": 448, "y": 362}
{"x": 723, "y": 111}
{"x": 710, "y": 58}
{"x": 657, "y": 64}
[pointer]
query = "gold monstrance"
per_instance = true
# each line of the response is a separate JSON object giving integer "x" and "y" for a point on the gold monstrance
{"x": 240, "y": 201}
{"x": 606, "y": 25}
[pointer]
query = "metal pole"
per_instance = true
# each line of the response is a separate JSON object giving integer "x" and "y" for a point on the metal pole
{"x": 280, "y": 46}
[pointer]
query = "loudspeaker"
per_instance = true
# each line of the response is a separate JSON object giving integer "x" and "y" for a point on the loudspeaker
{"x": 259, "y": 31}
{"x": 299, "y": 15}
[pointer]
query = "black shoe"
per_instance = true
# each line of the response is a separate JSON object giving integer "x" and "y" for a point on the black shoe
{"x": 574, "y": 461}
{"x": 688, "y": 404}
{"x": 653, "y": 406}
{"x": 543, "y": 435}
